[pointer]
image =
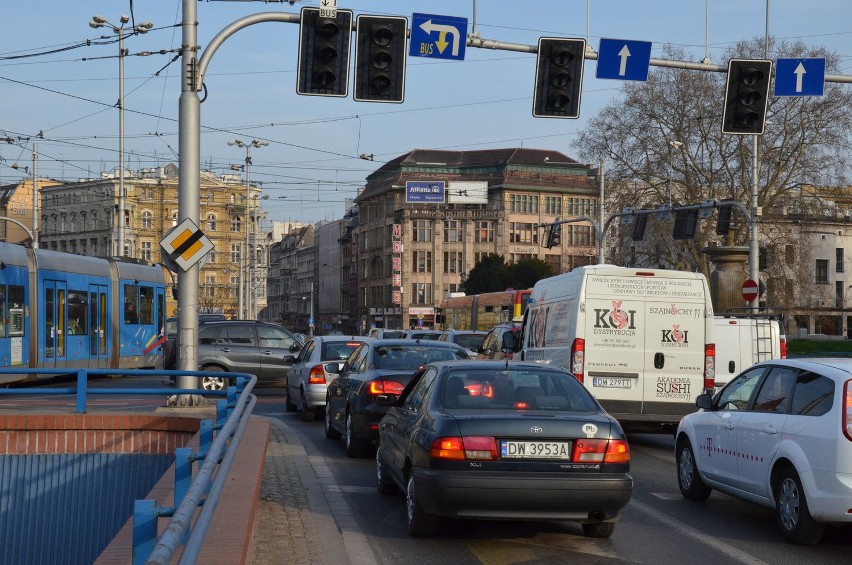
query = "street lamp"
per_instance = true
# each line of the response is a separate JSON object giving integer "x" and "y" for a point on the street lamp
{"x": 243, "y": 306}
{"x": 121, "y": 31}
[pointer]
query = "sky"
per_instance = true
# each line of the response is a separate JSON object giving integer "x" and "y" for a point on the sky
{"x": 59, "y": 85}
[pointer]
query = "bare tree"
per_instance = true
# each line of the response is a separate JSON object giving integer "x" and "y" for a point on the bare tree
{"x": 662, "y": 143}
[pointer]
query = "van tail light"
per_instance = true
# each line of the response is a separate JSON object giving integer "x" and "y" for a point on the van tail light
{"x": 384, "y": 387}
{"x": 847, "y": 409}
{"x": 473, "y": 448}
{"x": 316, "y": 376}
{"x": 578, "y": 358}
{"x": 709, "y": 366}
{"x": 613, "y": 451}
{"x": 783, "y": 347}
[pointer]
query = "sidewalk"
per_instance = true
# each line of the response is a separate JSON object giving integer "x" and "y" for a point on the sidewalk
{"x": 302, "y": 516}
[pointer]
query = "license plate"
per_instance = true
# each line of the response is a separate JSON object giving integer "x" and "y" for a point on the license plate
{"x": 535, "y": 449}
{"x": 606, "y": 382}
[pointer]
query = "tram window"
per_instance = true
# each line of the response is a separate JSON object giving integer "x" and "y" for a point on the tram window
{"x": 3, "y": 316}
{"x": 15, "y": 305}
{"x": 146, "y": 305}
{"x": 78, "y": 310}
{"x": 131, "y": 304}
{"x": 61, "y": 323}
{"x": 49, "y": 337}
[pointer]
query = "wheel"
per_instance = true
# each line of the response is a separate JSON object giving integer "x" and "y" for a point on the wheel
{"x": 211, "y": 382}
{"x": 384, "y": 484}
{"x": 688, "y": 479}
{"x": 792, "y": 512}
{"x": 308, "y": 414}
{"x": 598, "y": 530}
{"x": 288, "y": 402}
{"x": 418, "y": 521}
{"x": 354, "y": 447}
{"x": 330, "y": 432}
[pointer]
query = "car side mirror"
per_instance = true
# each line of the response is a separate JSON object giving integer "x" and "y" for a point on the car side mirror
{"x": 704, "y": 401}
{"x": 333, "y": 368}
{"x": 295, "y": 347}
{"x": 289, "y": 359}
{"x": 508, "y": 342}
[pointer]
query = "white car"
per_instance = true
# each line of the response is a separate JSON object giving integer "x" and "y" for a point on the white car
{"x": 308, "y": 377}
{"x": 779, "y": 435}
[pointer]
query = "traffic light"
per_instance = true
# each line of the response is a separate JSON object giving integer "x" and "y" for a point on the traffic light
{"x": 558, "y": 77}
{"x": 723, "y": 221}
{"x": 324, "y": 53}
{"x": 639, "y": 227}
{"x": 746, "y": 96}
{"x": 380, "y": 59}
{"x": 686, "y": 221}
{"x": 554, "y": 235}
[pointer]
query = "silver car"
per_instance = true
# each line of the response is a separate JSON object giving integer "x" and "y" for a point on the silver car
{"x": 308, "y": 376}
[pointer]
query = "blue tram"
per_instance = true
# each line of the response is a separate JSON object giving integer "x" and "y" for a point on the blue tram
{"x": 66, "y": 311}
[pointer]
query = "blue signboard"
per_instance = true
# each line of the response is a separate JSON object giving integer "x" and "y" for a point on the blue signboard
{"x": 623, "y": 59}
{"x": 429, "y": 192}
{"x": 799, "y": 77}
{"x": 439, "y": 37}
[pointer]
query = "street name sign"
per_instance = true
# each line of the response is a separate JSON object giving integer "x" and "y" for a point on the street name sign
{"x": 439, "y": 37}
{"x": 799, "y": 77}
{"x": 184, "y": 246}
{"x": 623, "y": 59}
{"x": 425, "y": 192}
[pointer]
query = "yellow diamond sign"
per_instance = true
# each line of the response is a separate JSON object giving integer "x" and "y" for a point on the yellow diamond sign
{"x": 185, "y": 245}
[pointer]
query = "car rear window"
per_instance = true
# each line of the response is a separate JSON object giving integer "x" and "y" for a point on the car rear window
{"x": 513, "y": 389}
{"x": 470, "y": 341}
{"x": 411, "y": 358}
{"x": 393, "y": 334}
{"x": 338, "y": 350}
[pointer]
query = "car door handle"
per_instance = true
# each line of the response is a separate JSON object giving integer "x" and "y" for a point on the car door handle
{"x": 267, "y": 352}
{"x": 729, "y": 426}
{"x": 226, "y": 349}
{"x": 770, "y": 429}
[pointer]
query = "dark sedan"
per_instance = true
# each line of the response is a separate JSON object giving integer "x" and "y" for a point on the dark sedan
{"x": 376, "y": 367}
{"x": 508, "y": 441}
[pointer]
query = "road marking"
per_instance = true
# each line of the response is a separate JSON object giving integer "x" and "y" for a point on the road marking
{"x": 667, "y": 495}
{"x": 728, "y": 550}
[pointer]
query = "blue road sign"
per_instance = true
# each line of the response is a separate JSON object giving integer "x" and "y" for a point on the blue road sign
{"x": 799, "y": 77}
{"x": 430, "y": 192}
{"x": 623, "y": 59}
{"x": 439, "y": 37}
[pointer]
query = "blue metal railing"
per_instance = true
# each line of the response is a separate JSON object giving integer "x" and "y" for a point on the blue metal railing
{"x": 204, "y": 489}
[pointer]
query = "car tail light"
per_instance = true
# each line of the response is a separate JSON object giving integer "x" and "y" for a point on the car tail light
{"x": 709, "y": 366}
{"x": 601, "y": 451}
{"x": 847, "y": 410}
{"x": 578, "y": 358}
{"x": 316, "y": 376}
{"x": 478, "y": 448}
{"x": 783, "y": 347}
{"x": 385, "y": 387}
{"x": 480, "y": 389}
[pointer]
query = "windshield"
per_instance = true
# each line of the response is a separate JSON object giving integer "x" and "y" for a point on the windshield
{"x": 411, "y": 358}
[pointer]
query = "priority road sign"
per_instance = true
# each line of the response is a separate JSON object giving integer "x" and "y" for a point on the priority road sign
{"x": 439, "y": 37}
{"x": 749, "y": 290}
{"x": 800, "y": 77}
{"x": 184, "y": 246}
{"x": 623, "y": 59}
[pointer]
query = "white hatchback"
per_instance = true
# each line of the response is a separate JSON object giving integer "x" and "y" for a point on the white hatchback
{"x": 780, "y": 435}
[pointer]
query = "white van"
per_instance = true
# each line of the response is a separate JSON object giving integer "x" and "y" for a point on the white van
{"x": 641, "y": 340}
{"x": 743, "y": 339}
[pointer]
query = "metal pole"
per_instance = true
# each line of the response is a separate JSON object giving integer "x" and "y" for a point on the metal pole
{"x": 120, "y": 231}
{"x": 311, "y": 319}
{"x": 754, "y": 247}
{"x": 246, "y": 283}
{"x": 35, "y": 196}
{"x": 601, "y": 214}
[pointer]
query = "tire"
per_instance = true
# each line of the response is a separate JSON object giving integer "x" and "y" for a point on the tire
{"x": 330, "y": 432}
{"x": 418, "y": 522}
{"x": 598, "y": 530}
{"x": 688, "y": 478}
{"x": 384, "y": 484}
{"x": 288, "y": 402}
{"x": 308, "y": 414}
{"x": 211, "y": 382}
{"x": 354, "y": 447}
{"x": 791, "y": 511}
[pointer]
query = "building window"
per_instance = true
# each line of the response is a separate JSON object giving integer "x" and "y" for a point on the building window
{"x": 147, "y": 220}
{"x": 453, "y": 262}
{"x": 522, "y": 233}
{"x": 422, "y": 261}
{"x": 211, "y": 222}
{"x": 236, "y": 224}
{"x": 479, "y": 256}
{"x": 146, "y": 250}
{"x": 822, "y": 271}
{"x": 421, "y": 230}
{"x": 127, "y": 218}
{"x": 174, "y": 219}
{"x": 421, "y": 293}
{"x": 515, "y": 257}
{"x": 523, "y": 203}
{"x": 553, "y": 205}
{"x": 453, "y": 231}
{"x": 235, "y": 252}
{"x": 789, "y": 254}
{"x": 581, "y": 236}
{"x": 484, "y": 232}
{"x": 838, "y": 294}
{"x": 555, "y": 262}
{"x": 839, "y": 259}
{"x": 210, "y": 283}
{"x": 235, "y": 285}
{"x": 581, "y": 207}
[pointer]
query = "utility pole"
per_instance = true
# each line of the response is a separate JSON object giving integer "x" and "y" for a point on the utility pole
{"x": 35, "y": 196}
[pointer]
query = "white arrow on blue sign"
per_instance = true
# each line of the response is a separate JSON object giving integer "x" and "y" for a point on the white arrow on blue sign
{"x": 800, "y": 77}
{"x": 623, "y": 59}
{"x": 439, "y": 37}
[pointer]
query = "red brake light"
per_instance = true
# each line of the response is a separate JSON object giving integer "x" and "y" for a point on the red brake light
{"x": 316, "y": 376}
{"x": 709, "y": 366}
{"x": 847, "y": 409}
{"x": 447, "y": 448}
{"x": 385, "y": 387}
{"x": 783, "y": 347}
{"x": 578, "y": 358}
{"x": 480, "y": 448}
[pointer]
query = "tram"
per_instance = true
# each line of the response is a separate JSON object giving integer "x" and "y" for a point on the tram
{"x": 483, "y": 311}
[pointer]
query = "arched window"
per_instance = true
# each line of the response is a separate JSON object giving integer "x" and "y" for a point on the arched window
{"x": 236, "y": 224}
{"x": 147, "y": 220}
{"x": 211, "y": 222}
{"x": 93, "y": 221}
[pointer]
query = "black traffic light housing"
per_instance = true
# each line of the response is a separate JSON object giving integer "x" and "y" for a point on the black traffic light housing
{"x": 554, "y": 235}
{"x": 639, "y": 227}
{"x": 746, "y": 96}
{"x": 559, "y": 77}
{"x": 723, "y": 220}
{"x": 686, "y": 222}
{"x": 380, "y": 54}
{"x": 324, "y": 53}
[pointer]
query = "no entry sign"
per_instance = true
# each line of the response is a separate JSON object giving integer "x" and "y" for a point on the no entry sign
{"x": 749, "y": 290}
